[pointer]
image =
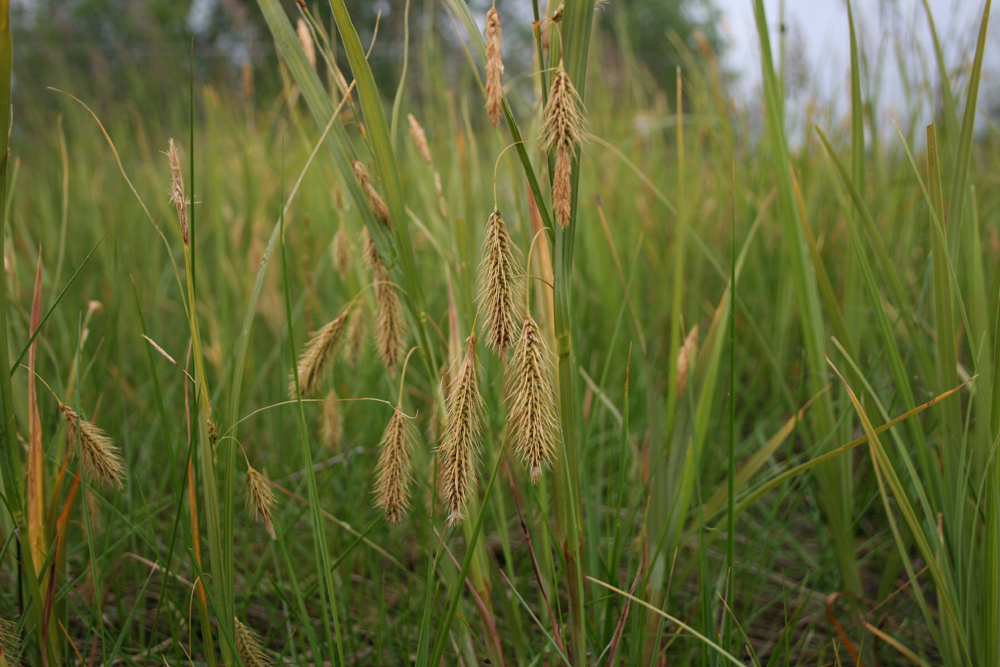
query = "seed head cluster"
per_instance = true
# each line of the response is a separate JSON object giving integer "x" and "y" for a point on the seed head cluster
{"x": 177, "y": 190}
{"x": 562, "y": 132}
{"x": 494, "y": 65}
{"x": 460, "y": 447}
{"x": 340, "y": 252}
{"x": 532, "y": 418}
{"x": 99, "y": 457}
{"x": 260, "y": 498}
{"x": 419, "y": 138}
{"x": 499, "y": 290}
{"x": 392, "y": 473}
{"x": 248, "y": 646}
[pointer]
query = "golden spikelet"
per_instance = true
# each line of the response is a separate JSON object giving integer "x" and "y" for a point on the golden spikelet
{"x": 260, "y": 498}
{"x": 684, "y": 357}
{"x": 177, "y": 190}
{"x": 99, "y": 457}
{"x": 248, "y": 646}
{"x": 315, "y": 355}
{"x": 354, "y": 337}
{"x": 390, "y": 323}
{"x": 10, "y": 643}
{"x": 419, "y": 138}
{"x": 331, "y": 429}
{"x": 392, "y": 473}
{"x": 306, "y": 40}
{"x": 374, "y": 198}
{"x": 562, "y": 132}
{"x": 532, "y": 418}
{"x": 498, "y": 285}
{"x": 340, "y": 252}
{"x": 494, "y": 65}
{"x": 460, "y": 446}
{"x": 368, "y": 250}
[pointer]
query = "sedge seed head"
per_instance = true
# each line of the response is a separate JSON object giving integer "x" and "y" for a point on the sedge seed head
{"x": 354, "y": 337}
{"x": 260, "y": 499}
{"x": 248, "y": 646}
{"x": 499, "y": 285}
{"x": 460, "y": 447}
{"x": 419, "y": 138}
{"x": 684, "y": 357}
{"x": 494, "y": 65}
{"x": 177, "y": 190}
{"x": 393, "y": 471}
{"x": 316, "y": 354}
{"x": 390, "y": 323}
{"x": 340, "y": 252}
{"x": 306, "y": 40}
{"x": 532, "y": 416}
{"x": 100, "y": 459}
{"x": 375, "y": 200}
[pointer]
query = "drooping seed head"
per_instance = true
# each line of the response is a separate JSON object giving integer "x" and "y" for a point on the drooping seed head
{"x": 684, "y": 357}
{"x": 375, "y": 200}
{"x": 100, "y": 459}
{"x": 260, "y": 498}
{"x": 331, "y": 429}
{"x": 369, "y": 252}
{"x": 354, "y": 338}
{"x": 390, "y": 323}
{"x": 562, "y": 132}
{"x": 392, "y": 473}
{"x": 340, "y": 252}
{"x": 419, "y": 138}
{"x": 460, "y": 447}
{"x": 248, "y": 646}
{"x": 532, "y": 417}
{"x": 494, "y": 65}
{"x": 306, "y": 40}
{"x": 316, "y": 354}
{"x": 177, "y": 190}
{"x": 499, "y": 285}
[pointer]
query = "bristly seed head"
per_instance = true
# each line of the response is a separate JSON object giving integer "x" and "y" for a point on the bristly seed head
{"x": 354, "y": 338}
{"x": 532, "y": 417}
{"x": 419, "y": 138}
{"x": 260, "y": 498}
{"x": 317, "y": 352}
{"x": 562, "y": 132}
{"x": 392, "y": 474}
{"x": 331, "y": 430}
{"x": 99, "y": 457}
{"x": 10, "y": 642}
{"x": 374, "y": 198}
{"x": 684, "y": 357}
{"x": 248, "y": 646}
{"x": 390, "y": 323}
{"x": 499, "y": 285}
{"x": 494, "y": 65}
{"x": 460, "y": 447}
{"x": 340, "y": 252}
{"x": 177, "y": 190}
{"x": 306, "y": 40}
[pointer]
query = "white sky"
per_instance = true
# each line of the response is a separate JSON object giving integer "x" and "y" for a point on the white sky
{"x": 882, "y": 24}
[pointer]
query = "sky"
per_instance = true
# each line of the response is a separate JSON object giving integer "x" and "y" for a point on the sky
{"x": 820, "y": 29}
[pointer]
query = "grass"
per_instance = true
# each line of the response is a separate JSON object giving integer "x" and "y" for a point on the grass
{"x": 815, "y": 483}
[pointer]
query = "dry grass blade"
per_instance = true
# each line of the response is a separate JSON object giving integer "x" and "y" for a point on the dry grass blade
{"x": 562, "y": 132}
{"x": 419, "y": 138}
{"x": 260, "y": 499}
{"x": 248, "y": 646}
{"x": 177, "y": 190}
{"x": 374, "y": 198}
{"x": 340, "y": 252}
{"x": 532, "y": 417}
{"x": 494, "y": 65}
{"x": 499, "y": 291}
{"x": 316, "y": 354}
{"x": 100, "y": 458}
{"x": 460, "y": 447}
{"x": 392, "y": 473}
{"x": 331, "y": 430}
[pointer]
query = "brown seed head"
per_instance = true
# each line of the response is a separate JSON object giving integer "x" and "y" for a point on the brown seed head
{"x": 248, "y": 646}
{"x": 532, "y": 418}
{"x": 499, "y": 286}
{"x": 331, "y": 429}
{"x": 419, "y": 138}
{"x": 314, "y": 357}
{"x": 460, "y": 446}
{"x": 177, "y": 190}
{"x": 390, "y": 323}
{"x": 392, "y": 474}
{"x": 374, "y": 198}
{"x": 562, "y": 188}
{"x": 562, "y": 132}
{"x": 684, "y": 357}
{"x": 99, "y": 457}
{"x": 306, "y": 40}
{"x": 260, "y": 498}
{"x": 354, "y": 338}
{"x": 369, "y": 253}
{"x": 340, "y": 252}
{"x": 494, "y": 65}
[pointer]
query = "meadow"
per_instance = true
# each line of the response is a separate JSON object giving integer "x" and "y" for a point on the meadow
{"x": 542, "y": 367}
